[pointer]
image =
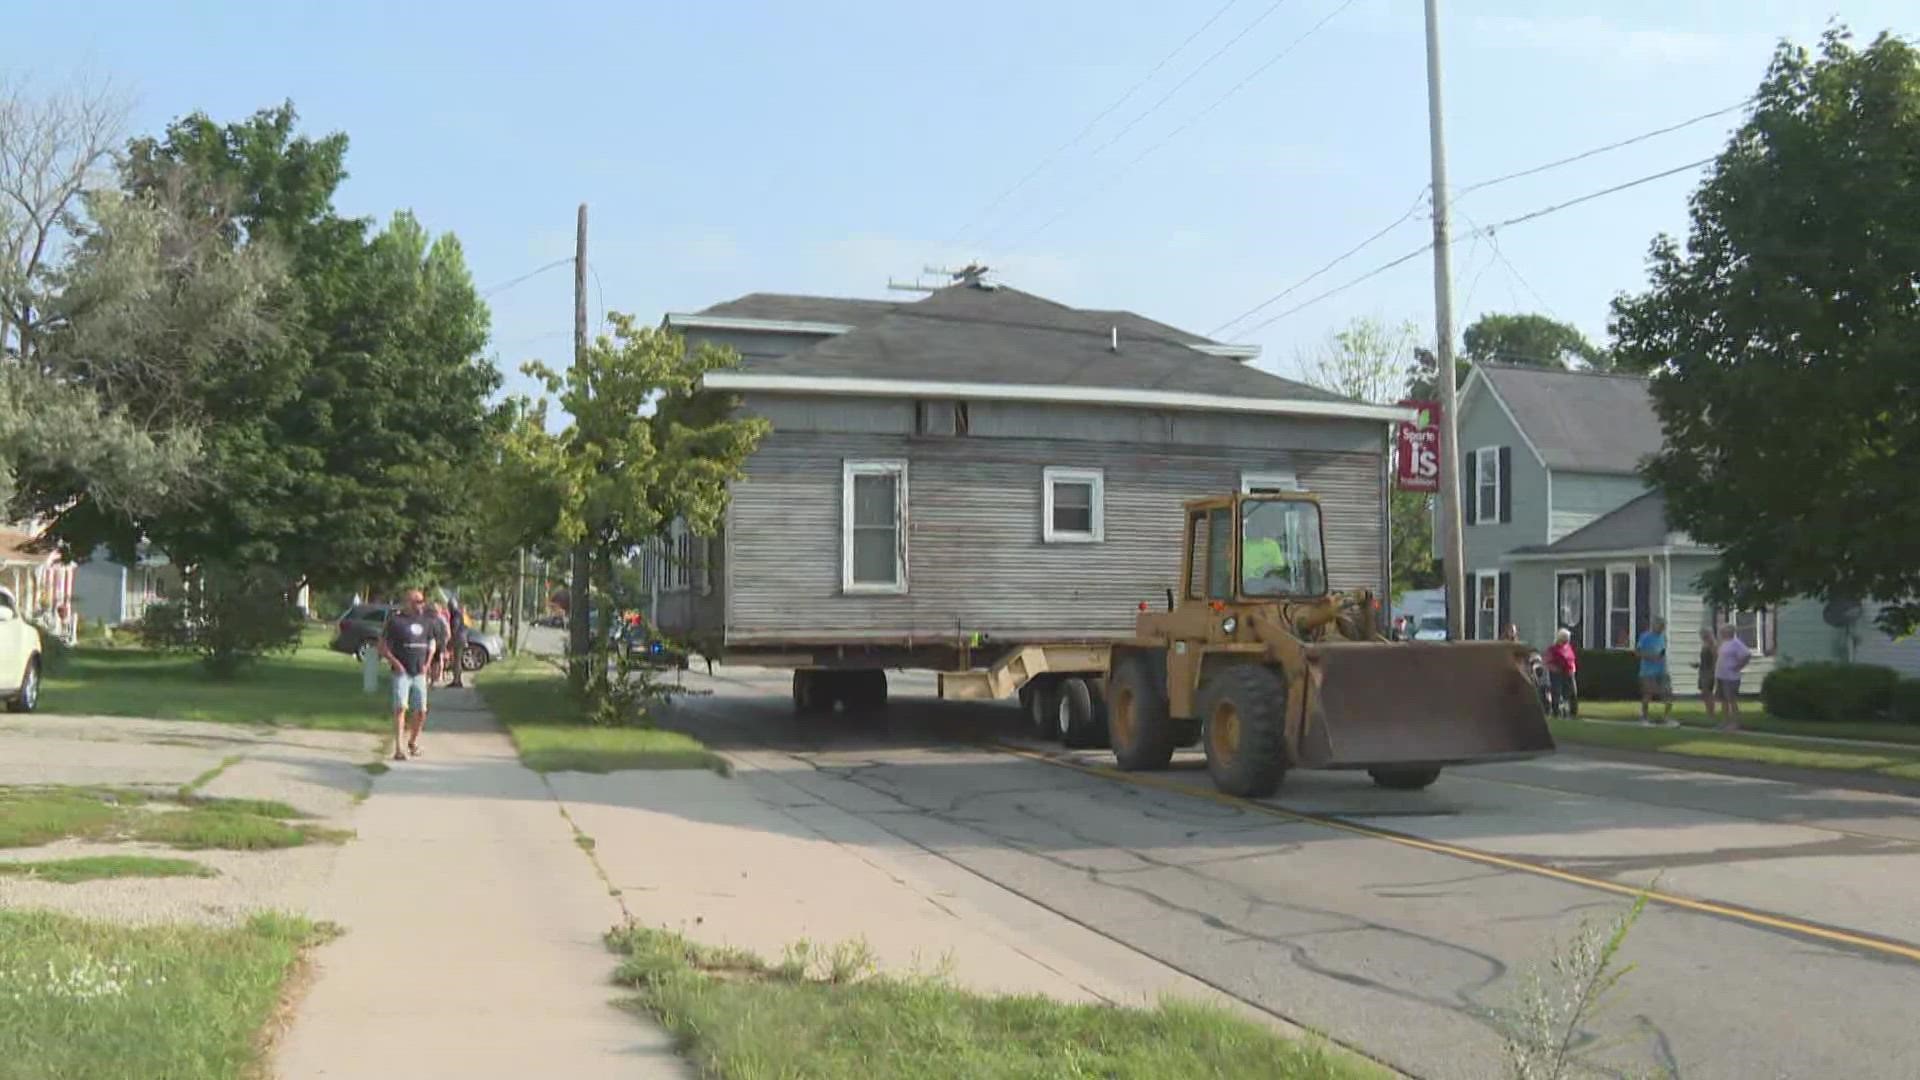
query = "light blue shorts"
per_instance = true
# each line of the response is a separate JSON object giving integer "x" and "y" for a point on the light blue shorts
{"x": 410, "y": 691}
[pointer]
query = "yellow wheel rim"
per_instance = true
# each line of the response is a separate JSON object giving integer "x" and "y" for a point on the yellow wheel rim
{"x": 1223, "y": 732}
{"x": 1122, "y": 717}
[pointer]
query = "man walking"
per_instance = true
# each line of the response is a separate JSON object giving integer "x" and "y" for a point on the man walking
{"x": 1652, "y": 650}
{"x": 410, "y": 644}
{"x": 456, "y": 639}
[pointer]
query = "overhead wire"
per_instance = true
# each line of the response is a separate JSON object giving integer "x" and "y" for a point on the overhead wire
{"x": 536, "y": 272}
{"x": 1419, "y": 201}
{"x": 1089, "y": 126}
{"x": 1585, "y": 154}
{"x": 1115, "y": 176}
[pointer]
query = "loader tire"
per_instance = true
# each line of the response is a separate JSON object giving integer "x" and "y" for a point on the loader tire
{"x": 1043, "y": 708}
{"x": 1405, "y": 779}
{"x": 1142, "y": 733}
{"x": 1081, "y": 724}
{"x": 1243, "y": 716}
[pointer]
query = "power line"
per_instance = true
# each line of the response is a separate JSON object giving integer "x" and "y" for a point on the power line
{"x": 1090, "y": 125}
{"x": 1418, "y": 202}
{"x": 1488, "y": 232}
{"x": 1114, "y": 177}
{"x": 1585, "y": 154}
{"x": 529, "y": 274}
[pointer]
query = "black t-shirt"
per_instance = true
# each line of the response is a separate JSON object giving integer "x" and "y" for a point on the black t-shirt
{"x": 411, "y": 639}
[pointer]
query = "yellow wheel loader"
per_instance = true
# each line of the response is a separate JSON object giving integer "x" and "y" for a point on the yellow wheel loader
{"x": 1270, "y": 670}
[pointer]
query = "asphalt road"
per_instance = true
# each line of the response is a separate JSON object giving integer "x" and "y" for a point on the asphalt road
{"x": 1418, "y": 956}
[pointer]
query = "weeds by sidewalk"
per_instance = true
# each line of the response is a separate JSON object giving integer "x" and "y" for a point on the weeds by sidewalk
{"x": 824, "y": 1014}
{"x": 1547, "y": 1039}
{"x": 30, "y": 817}
{"x": 82, "y": 1000}
{"x": 552, "y": 734}
{"x": 101, "y": 867}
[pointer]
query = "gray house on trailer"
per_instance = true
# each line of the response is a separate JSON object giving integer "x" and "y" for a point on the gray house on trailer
{"x": 952, "y": 476}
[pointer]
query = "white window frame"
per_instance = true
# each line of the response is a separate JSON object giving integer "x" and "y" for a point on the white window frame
{"x": 1278, "y": 479}
{"x": 1761, "y": 617}
{"x": 876, "y": 467}
{"x": 1094, "y": 478}
{"x": 1486, "y": 624}
{"x": 1482, "y": 514}
{"x": 1633, "y": 600}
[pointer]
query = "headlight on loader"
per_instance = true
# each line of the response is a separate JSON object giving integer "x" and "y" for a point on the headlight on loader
{"x": 1229, "y": 624}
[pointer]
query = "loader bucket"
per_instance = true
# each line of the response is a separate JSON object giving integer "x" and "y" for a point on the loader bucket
{"x": 1427, "y": 703}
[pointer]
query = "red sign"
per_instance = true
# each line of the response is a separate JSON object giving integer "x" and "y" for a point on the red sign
{"x": 1416, "y": 449}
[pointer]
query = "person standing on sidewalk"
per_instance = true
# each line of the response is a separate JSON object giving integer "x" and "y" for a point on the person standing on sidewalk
{"x": 1709, "y": 659}
{"x": 1728, "y": 664}
{"x": 456, "y": 639}
{"x": 1563, "y": 674}
{"x": 1652, "y": 651}
{"x": 410, "y": 643}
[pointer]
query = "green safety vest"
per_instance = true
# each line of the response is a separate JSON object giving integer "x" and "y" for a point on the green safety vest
{"x": 1257, "y": 557}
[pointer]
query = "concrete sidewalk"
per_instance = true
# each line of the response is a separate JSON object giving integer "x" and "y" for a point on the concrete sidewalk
{"x": 474, "y": 923}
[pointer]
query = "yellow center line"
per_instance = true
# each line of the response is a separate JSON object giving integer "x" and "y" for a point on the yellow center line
{"x": 1886, "y": 946}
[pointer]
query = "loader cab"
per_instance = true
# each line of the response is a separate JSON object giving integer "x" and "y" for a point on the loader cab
{"x": 1255, "y": 549}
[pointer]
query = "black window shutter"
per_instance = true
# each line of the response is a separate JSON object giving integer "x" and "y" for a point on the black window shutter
{"x": 1599, "y": 624}
{"x": 1506, "y": 483}
{"x": 1470, "y": 484}
{"x": 1642, "y": 600}
{"x": 1506, "y": 598}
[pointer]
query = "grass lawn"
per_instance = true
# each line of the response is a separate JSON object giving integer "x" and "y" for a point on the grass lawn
{"x": 93, "y": 1000}
{"x": 311, "y": 688}
{"x": 530, "y": 698}
{"x": 31, "y": 816}
{"x": 737, "y": 1017}
{"x": 1755, "y": 748}
{"x": 1693, "y": 714}
{"x": 98, "y": 867}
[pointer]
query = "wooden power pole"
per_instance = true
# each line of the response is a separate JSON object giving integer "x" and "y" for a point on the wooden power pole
{"x": 579, "y": 629}
{"x": 1451, "y": 541}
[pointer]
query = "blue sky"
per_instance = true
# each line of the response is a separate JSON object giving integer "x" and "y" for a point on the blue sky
{"x": 726, "y": 148}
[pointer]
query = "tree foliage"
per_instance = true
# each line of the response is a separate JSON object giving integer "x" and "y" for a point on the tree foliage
{"x": 1368, "y": 360}
{"x": 1782, "y": 338}
{"x": 1529, "y": 339}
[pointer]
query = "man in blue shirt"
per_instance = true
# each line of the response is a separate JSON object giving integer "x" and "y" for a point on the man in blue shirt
{"x": 1652, "y": 651}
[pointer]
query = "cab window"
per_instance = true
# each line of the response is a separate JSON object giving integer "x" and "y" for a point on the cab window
{"x": 1280, "y": 552}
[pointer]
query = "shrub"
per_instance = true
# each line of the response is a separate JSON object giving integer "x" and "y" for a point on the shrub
{"x": 1829, "y": 691}
{"x": 1906, "y": 701}
{"x": 230, "y": 617}
{"x": 1609, "y": 675}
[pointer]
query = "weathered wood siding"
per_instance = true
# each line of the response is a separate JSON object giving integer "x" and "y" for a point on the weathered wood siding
{"x": 976, "y": 560}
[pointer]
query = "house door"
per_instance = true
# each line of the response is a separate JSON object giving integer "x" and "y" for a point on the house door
{"x": 1570, "y": 603}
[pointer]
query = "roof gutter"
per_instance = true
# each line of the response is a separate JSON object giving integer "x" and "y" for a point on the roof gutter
{"x": 1077, "y": 395}
{"x": 764, "y": 326}
{"x": 1614, "y": 553}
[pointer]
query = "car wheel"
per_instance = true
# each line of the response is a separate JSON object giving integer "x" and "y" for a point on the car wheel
{"x": 474, "y": 657}
{"x": 28, "y": 699}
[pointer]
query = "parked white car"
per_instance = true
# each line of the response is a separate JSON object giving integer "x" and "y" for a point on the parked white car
{"x": 1430, "y": 628}
{"x": 19, "y": 656}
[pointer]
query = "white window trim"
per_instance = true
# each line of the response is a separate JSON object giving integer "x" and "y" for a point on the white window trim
{"x": 1284, "y": 479}
{"x": 1478, "y": 577}
{"x": 1633, "y": 601}
{"x": 1761, "y": 617}
{"x": 1055, "y": 474}
{"x": 1482, "y": 515}
{"x": 879, "y": 467}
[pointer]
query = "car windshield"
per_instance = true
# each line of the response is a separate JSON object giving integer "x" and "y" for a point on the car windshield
{"x": 1280, "y": 551}
{"x": 1434, "y": 622}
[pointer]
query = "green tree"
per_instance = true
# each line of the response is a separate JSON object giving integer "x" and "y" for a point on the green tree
{"x": 1529, "y": 339}
{"x": 1782, "y": 338}
{"x": 1367, "y": 360}
{"x": 646, "y": 446}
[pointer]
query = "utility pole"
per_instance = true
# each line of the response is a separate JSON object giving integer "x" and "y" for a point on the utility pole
{"x": 1451, "y": 544}
{"x": 579, "y": 632}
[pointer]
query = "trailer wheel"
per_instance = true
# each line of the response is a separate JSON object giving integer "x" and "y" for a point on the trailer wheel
{"x": 1243, "y": 712}
{"x": 812, "y": 694}
{"x": 1142, "y": 733}
{"x": 1043, "y": 707}
{"x": 1082, "y": 725}
{"x": 863, "y": 691}
{"x": 1412, "y": 779}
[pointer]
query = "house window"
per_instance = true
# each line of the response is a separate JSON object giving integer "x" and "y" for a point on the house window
{"x": 1073, "y": 510}
{"x": 873, "y": 536}
{"x": 1486, "y": 505}
{"x": 1269, "y": 483}
{"x": 1570, "y": 601}
{"x": 1486, "y": 624}
{"x": 1620, "y": 613}
{"x": 1754, "y": 628}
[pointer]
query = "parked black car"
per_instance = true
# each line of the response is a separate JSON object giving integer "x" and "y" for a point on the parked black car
{"x": 357, "y": 629}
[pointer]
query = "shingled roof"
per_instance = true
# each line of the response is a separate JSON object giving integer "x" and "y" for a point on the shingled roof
{"x": 996, "y": 335}
{"x": 1579, "y": 421}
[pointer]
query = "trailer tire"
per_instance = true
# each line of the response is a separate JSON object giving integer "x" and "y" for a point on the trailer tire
{"x": 812, "y": 692}
{"x": 863, "y": 691}
{"x": 1243, "y": 715}
{"x": 1043, "y": 707}
{"x": 1142, "y": 734}
{"x": 1405, "y": 779}
{"x": 1082, "y": 723}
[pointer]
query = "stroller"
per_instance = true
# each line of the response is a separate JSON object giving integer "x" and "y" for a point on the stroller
{"x": 1542, "y": 683}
